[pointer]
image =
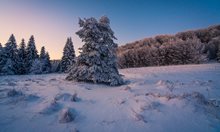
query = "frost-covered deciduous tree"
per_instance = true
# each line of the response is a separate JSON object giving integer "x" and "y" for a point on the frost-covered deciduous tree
{"x": 31, "y": 52}
{"x": 97, "y": 60}
{"x": 68, "y": 58}
{"x": 188, "y": 52}
{"x": 21, "y": 63}
{"x": 218, "y": 53}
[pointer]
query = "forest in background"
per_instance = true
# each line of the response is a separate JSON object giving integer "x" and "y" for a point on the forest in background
{"x": 190, "y": 47}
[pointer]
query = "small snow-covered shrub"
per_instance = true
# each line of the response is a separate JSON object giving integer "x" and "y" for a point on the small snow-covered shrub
{"x": 50, "y": 108}
{"x": 67, "y": 97}
{"x": 74, "y": 98}
{"x": 13, "y": 92}
{"x": 66, "y": 116}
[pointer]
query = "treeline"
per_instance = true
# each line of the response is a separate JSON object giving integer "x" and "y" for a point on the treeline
{"x": 191, "y": 47}
{"x": 23, "y": 59}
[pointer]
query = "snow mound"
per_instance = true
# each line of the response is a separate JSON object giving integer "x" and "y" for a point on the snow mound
{"x": 166, "y": 83}
{"x": 50, "y": 108}
{"x": 66, "y": 116}
{"x": 13, "y": 93}
{"x": 31, "y": 97}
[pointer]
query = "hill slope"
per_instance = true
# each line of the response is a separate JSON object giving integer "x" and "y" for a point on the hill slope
{"x": 171, "y": 98}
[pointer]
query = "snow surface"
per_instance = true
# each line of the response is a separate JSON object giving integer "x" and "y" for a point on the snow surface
{"x": 158, "y": 99}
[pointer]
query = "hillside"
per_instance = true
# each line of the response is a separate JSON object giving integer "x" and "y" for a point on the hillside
{"x": 170, "y": 98}
{"x": 159, "y": 50}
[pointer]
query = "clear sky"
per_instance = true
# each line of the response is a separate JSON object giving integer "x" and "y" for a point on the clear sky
{"x": 52, "y": 21}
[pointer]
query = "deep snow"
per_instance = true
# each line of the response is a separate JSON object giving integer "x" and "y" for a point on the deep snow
{"x": 158, "y": 99}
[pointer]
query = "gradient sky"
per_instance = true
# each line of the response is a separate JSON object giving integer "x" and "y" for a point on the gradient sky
{"x": 52, "y": 21}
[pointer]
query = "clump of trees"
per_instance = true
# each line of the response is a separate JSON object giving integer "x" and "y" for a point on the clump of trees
{"x": 191, "y": 47}
{"x": 97, "y": 60}
{"x": 22, "y": 59}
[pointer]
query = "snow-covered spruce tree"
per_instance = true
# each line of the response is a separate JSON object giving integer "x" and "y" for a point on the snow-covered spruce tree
{"x": 21, "y": 64}
{"x": 31, "y": 53}
{"x": 45, "y": 60}
{"x": 2, "y": 58}
{"x": 97, "y": 60}
{"x": 36, "y": 67}
{"x": 42, "y": 53}
{"x": 68, "y": 58}
{"x": 1, "y": 47}
{"x": 42, "y": 64}
{"x": 10, "y": 52}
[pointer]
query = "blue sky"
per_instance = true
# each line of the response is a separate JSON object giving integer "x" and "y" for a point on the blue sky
{"x": 52, "y": 21}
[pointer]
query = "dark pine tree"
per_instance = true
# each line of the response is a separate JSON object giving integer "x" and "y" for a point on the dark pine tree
{"x": 45, "y": 61}
{"x": 10, "y": 52}
{"x": 68, "y": 58}
{"x": 22, "y": 58}
{"x": 31, "y": 52}
{"x": 2, "y": 58}
{"x": 42, "y": 53}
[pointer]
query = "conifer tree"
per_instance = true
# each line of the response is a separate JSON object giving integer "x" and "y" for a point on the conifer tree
{"x": 22, "y": 58}
{"x": 97, "y": 61}
{"x": 45, "y": 60}
{"x": 42, "y": 53}
{"x": 10, "y": 52}
{"x": 2, "y": 58}
{"x": 68, "y": 58}
{"x": 42, "y": 64}
{"x": 31, "y": 52}
{"x": 47, "y": 64}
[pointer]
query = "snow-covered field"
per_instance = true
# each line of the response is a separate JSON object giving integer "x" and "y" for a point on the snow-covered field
{"x": 155, "y": 99}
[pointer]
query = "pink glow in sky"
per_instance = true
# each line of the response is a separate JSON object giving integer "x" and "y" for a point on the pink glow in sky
{"x": 52, "y": 21}
{"x": 50, "y": 30}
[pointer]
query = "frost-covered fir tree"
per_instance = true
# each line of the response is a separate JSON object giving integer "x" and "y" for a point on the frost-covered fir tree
{"x": 36, "y": 67}
{"x": 68, "y": 58}
{"x": 42, "y": 64}
{"x": 42, "y": 53}
{"x": 97, "y": 61}
{"x": 47, "y": 63}
{"x": 31, "y": 52}
{"x": 10, "y": 51}
{"x": 45, "y": 60}
{"x": 22, "y": 58}
{"x": 2, "y": 58}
